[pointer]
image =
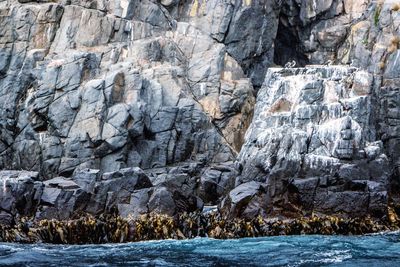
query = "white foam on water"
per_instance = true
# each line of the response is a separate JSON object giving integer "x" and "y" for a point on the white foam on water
{"x": 336, "y": 256}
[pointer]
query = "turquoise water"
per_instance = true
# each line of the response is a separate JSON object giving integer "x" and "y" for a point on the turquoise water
{"x": 374, "y": 250}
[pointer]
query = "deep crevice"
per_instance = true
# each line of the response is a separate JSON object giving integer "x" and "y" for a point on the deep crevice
{"x": 287, "y": 46}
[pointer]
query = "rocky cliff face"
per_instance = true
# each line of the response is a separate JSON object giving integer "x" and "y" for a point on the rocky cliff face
{"x": 324, "y": 139}
{"x": 109, "y": 85}
{"x": 313, "y": 145}
{"x": 107, "y": 93}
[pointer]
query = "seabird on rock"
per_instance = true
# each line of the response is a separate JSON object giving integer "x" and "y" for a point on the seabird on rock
{"x": 290, "y": 64}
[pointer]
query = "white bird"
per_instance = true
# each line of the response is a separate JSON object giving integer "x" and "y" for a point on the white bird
{"x": 318, "y": 75}
{"x": 290, "y": 64}
{"x": 329, "y": 62}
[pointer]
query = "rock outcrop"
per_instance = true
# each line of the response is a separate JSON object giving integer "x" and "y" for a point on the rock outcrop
{"x": 313, "y": 146}
{"x": 130, "y": 107}
{"x": 128, "y": 192}
{"x": 324, "y": 139}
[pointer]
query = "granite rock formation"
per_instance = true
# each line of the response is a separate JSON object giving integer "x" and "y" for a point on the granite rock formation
{"x": 313, "y": 146}
{"x": 324, "y": 139}
{"x": 131, "y": 107}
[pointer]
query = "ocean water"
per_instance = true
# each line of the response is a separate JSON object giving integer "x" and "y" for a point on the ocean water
{"x": 371, "y": 250}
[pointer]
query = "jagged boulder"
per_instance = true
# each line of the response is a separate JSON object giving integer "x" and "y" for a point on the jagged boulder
{"x": 61, "y": 198}
{"x": 20, "y": 193}
{"x": 128, "y": 192}
{"x": 247, "y": 200}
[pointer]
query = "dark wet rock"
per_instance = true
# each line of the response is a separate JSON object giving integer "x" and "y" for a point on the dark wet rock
{"x": 162, "y": 202}
{"x": 138, "y": 203}
{"x": 50, "y": 195}
{"x": 61, "y": 204}
{"x": 86, "y": 179}
{"x": 6, "y": 218}
{"x": 19, "y": 193}
{"x": 246, "y": 200}
{"x": 116, "y": 188}
{"x": 127, "y": 192}
{"x": 216, "y": 182}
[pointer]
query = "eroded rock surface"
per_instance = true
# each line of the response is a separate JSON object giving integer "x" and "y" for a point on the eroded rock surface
{"x": 315, "y": 146}
{"x": 128, "y": 192}
{"x": 113, "y": 85}
{"x": 133, "y": 106}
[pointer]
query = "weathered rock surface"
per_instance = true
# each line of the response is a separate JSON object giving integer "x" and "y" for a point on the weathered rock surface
{"x": 131, "y": 107}
{"x": 108, "y": 86}
{"x": 315, "y": 146}
{"x": 328, "y": 143}
{"x": 128, "y": 192}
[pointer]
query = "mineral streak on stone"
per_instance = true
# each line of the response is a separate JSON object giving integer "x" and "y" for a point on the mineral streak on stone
{"x": 129, "y": 107}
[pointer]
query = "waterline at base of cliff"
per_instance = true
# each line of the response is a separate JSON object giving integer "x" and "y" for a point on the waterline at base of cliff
{"x": 382, "y": 249}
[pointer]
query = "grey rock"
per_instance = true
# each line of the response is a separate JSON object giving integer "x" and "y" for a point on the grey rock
{"x": 91, "y": 92}
{"x": 142, "y": 91}
{"x": 19, "y": 192}
{"x": 86, "y": 179}
{"x": 61, "y": 182}
{"x": 138, "y": 204}
{"x": 50, "y": 195}
{"x": 6, "y": 218}
{"x": 116, "y": 188}
{"x": 161, "y": 201}
{"x": 246, "y": 200}
{"x": 216, "y": 182}
{"x": 311, "y": 125}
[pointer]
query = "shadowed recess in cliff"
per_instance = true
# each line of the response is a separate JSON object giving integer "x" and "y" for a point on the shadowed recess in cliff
{"x": 288, "y": 45}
